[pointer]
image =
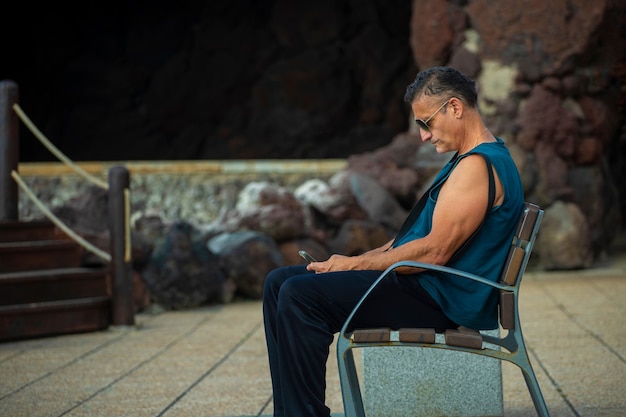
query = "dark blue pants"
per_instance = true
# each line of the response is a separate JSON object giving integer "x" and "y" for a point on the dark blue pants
{"x": 303, "y": 310}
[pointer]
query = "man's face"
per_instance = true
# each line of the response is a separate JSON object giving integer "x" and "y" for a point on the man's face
{"x": 431, "y": 123}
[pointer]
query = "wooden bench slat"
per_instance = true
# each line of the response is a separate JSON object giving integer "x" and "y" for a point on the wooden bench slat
{"x": 507, "y": 309}
{"x": 464, "y": 338}
{"x": 371, "y": 335}
{"x": 527, "y": 223}
{"x": 416, "y": 335}
{"x": 513, "y": 265}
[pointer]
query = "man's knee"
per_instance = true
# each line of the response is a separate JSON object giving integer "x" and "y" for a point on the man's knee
{"x": 298, "y": 293}
{"x": 271, "y": 277}
{"x": 276, "y": 278}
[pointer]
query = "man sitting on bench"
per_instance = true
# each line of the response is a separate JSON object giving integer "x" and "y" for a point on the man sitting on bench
{"x": 466, "y": 220}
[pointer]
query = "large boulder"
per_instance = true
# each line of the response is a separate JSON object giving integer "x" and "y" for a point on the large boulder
{"x": 381, "y": 207}
{"x": 246, "y": 257}
{"x": 334, "y": 200}
{"x": 264, "y": 207}
{"x": 359, "y": 236}
{"x": 393, "y": 166}
{"x": 183, "y": 273}
{"x": 564, "y": 242}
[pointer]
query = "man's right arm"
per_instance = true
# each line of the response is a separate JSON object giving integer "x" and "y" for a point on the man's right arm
{"x": 460, "y": 207}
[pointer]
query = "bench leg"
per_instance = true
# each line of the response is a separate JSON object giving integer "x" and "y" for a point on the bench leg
{"x": 535, "y": 392}
{"x": 523, "y": 362}
{"x": 348, "y": 377}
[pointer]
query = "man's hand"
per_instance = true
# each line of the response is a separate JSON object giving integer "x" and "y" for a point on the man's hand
{"x": 334, "y": 263}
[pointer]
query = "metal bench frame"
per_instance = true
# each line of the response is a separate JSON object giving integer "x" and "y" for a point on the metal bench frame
{"x": 510, "y": 348}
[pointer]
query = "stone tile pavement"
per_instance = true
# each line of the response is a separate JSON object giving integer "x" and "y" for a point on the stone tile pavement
{"x": 211, "y": 362}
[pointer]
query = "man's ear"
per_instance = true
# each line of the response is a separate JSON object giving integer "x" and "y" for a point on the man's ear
{"x": 457, "y": 107}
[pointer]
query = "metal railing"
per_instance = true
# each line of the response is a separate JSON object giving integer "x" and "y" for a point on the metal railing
{"x": 118, "y": 189}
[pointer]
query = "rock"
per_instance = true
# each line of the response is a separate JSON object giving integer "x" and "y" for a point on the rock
{"x": 290, "y": 250}
{"x": 380, "y": 206}
{"x": 88, "y": 212}
{"x": 545, "y": 119}
{"x": 526, "y": 165}
{"x": 596, "y": 196}
{"x": 432, "y": 39}
{"x": 277, "y": 221}
{"x": 393, "y": 166}
{"x": 87, "y": 215}
{"x": 183, "y": 273}
{"x": 563, "y": 242}
{"x": 552, "y": 182}
{"x": 358, "y": 236}
{"x": 246, "y": 257}
{"x": 589, "y": 152}
{"x": 466, "y": 61}
{"x": 337, "y": 202}
{"x": 511, "y": 33}
{"x": 141, "y": 294}
{"x": 600, "y": 121}
{"x": 147, "y": 229}
{"x": 264, "y": 207}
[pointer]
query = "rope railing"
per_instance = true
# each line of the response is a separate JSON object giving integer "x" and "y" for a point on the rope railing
{"x": 118, "y": 190}
{"x": 54, "y": 150}
{"x": 67, "y": 161}
{"x": 54, "y": 219}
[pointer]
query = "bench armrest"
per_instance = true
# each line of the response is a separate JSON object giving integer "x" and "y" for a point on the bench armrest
{"x": 426, "y": 266}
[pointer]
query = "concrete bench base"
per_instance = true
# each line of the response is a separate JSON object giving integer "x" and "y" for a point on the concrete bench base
{"x": 422, "y": 382}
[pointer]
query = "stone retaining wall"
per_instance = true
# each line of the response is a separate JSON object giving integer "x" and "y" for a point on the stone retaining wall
{"x": 192, "y": 191}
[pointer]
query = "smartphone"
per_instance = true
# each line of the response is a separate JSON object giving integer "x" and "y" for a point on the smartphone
{"x": 306, "y": 256}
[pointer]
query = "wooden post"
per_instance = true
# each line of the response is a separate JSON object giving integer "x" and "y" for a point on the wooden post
{"x": 9, "y": 151}
{"x": 121, "y": 261}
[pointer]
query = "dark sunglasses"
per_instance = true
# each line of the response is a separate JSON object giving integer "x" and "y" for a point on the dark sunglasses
{"x": 423, "y": 124}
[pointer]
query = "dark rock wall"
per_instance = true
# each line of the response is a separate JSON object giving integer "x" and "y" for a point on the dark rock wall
{"x": 215, "y": 79}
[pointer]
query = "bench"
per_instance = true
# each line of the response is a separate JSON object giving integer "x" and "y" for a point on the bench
{"x": 510, "y": 347}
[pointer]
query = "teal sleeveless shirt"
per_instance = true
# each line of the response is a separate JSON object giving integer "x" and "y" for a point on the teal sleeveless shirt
{"x": 467, "y": 302}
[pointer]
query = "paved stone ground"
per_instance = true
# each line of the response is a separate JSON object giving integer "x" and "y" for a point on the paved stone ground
{"x": 211, "y": 362}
